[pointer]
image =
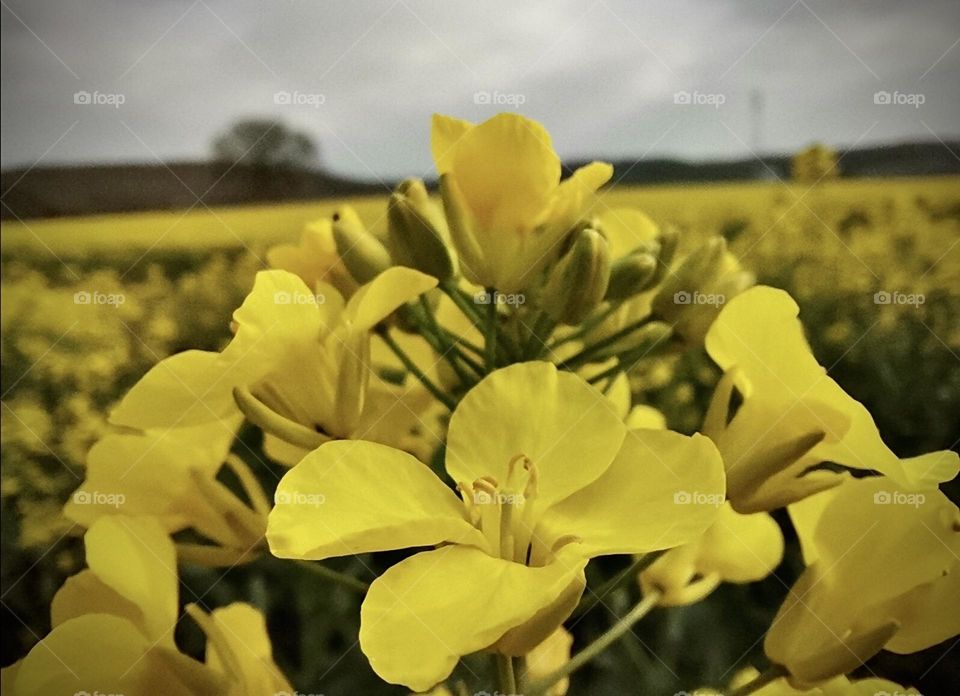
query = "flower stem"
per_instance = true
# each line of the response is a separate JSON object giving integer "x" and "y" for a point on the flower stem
{"x": 617, "y": 581}
{"x": 590, "y": 351}
{"x": 506, "y": 678}
{"x": 335, "y": 576}
{"x": 761, "y": 680}
{"x": 445, "y": 346}
{"x": 416, "y": 371}
{"x": 539, "y": 336}
{"x": 641, "y": 609}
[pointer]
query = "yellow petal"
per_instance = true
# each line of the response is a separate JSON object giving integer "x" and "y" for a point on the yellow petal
{"x": 379, "y": 298}
{"x": 507, "y": 171}
{"x": 568, "y": 429}
{"x": 445, "y": 134}
{"x": 97, "y": 653}
{"x": 742, "y": 548}
{"x": 351, "y": 496}
{"x": 662, "y": 490}
{"x": 427, "y": 611}
{"x": 135, "y": 558}
{"x": 626, "y": 229}
{"x": 238, "y": 646}
{"x": 197, "y": 386}
{"x": 85, "y": 593}
{"x": 930, "y": 614}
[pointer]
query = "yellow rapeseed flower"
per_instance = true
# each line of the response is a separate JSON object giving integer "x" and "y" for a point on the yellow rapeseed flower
{"x": 548, "y": 477}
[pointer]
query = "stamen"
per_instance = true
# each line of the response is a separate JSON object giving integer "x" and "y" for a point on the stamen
{"x": 564, "y": 540}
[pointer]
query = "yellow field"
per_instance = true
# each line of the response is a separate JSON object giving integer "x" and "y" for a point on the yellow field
{"x": 697, "y": 208}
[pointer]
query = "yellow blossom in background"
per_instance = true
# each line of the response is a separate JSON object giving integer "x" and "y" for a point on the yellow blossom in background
{"x": 314, "y": 259}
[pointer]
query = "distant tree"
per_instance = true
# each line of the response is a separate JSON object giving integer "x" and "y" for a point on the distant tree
{"x": 814, "y": 163}
{"x": 265, "y": 144}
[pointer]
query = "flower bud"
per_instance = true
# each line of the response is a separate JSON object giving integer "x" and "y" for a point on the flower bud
{"x": 462, "y": 226}
{"x": 578, "y": 282}
{"x": 418, "y": 234}
{"x": 631, "y": 274}
{"x": 667, "y": 239}
{"x": 681, "y": 290}
{"x": 362, "y": 253}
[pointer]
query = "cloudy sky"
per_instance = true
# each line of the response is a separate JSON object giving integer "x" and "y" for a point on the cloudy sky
{"x": 364, "y": 77}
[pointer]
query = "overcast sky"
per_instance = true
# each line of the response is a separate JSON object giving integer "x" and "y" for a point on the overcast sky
{"x": 602, "y": 75}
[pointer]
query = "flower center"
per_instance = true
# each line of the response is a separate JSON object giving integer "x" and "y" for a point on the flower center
{"x": 504, "y": 513}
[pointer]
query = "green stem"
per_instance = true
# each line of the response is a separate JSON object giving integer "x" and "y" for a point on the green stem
{"x": 539, "y": 335}
{"x": 445, "y": 347}
{"x": 335, "y": 576}
{"x": 619, "y": 580}
{"x": 641, "y": 609}
{"x": 761, "y": 680}
{"x": 588, "y": 325}
{"x": 585, "y": 354}
{"x": 611, "y": 371}
{"x": 416, "y": 371}
{"x": 506, "y": 679}
{"x": 468, "y": 308}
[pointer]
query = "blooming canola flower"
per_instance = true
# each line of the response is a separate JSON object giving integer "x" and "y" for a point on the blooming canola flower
{"x": 506, "y": 207}
{"x": 298, "y": 364}
{"x": 793, "y": 415}
{"x": 548, "y": 477}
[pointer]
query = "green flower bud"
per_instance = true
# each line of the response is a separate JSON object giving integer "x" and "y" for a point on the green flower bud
{"x": 578, "y": 282}
{"x": 684, "y": 288}
{"x": 631, "y": 274}
{"x": 462, "y": 226}
{"x": 667, "y": 240}
{"x": 418, "y": 234}
{"x": 363, "y": 254}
